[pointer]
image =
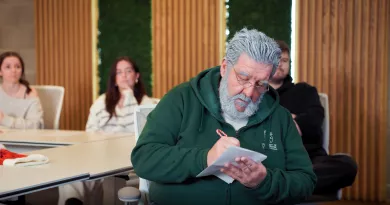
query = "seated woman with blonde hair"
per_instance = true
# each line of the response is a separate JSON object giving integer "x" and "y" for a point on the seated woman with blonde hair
{"x": 20, "y": 107}
{"x": 112, "y": 112}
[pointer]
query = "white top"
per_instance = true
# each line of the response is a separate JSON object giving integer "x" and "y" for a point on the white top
{"x": 236, "y": 123}
{"x": 20, "y": 113}
{"x": 123, "y": 122}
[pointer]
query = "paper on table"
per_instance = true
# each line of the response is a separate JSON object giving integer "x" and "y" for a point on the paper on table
{"x": 230, "y": 155}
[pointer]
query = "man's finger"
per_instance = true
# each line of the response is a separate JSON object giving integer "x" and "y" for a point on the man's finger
{"x": 246, "y": 169}
{"x": 235, "y": 170}
{"x": 252, "y": 165}
{"x": 232, "y": 172}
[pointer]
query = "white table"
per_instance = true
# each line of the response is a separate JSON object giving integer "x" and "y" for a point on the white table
{"x": 101, "y": 158}
{"x": 63, "y": 146}
{"x": 29, "y": 140}
{"x": 86, "y": 161}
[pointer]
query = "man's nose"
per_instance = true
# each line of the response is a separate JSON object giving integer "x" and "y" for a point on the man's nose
{"x": 249, "y": 91}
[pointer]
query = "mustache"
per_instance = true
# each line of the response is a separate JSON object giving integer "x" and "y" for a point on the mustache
{"x": 242, "y": 97}
{"x": 228, "y": 102}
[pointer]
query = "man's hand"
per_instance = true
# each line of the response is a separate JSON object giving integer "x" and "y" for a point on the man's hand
{"x": 248, "y": 172}
{"x": 293, "y": 116}
{"x": 296, "y": 124}
{"x": 219, "y": 147}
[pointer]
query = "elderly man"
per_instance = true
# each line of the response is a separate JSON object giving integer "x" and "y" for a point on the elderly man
{"x": 302, "y": 100}
{"x": 179, "y": 139}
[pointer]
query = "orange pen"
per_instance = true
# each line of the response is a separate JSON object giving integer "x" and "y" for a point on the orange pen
{"x": 221, "y": 133}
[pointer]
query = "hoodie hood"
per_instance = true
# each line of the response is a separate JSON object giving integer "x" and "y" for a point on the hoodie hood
{"x": 206, "y": 84}
{"x": 287, "y": 83}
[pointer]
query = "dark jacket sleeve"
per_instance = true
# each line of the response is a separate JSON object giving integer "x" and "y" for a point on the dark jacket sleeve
{"x": 311, "y": 119}
{"x": 156, "y": 157}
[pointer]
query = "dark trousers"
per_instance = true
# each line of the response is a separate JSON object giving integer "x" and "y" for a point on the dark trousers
{"x": 333, "y": 172}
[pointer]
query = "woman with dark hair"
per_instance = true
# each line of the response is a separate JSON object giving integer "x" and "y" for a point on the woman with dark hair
{"x": 20, "y": 107}
{"x": 112, "y": 111}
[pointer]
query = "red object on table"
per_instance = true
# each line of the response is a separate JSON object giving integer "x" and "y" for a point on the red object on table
{"x": 6, "y": 154}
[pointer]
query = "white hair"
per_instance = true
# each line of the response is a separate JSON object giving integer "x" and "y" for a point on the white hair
{"x": 256, "y": 45}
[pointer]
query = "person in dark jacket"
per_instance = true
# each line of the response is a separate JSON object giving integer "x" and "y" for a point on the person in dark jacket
{"x": 302, "y": 100}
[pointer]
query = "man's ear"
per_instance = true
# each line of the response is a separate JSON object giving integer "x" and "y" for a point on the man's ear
{"x": 223, "y": 68}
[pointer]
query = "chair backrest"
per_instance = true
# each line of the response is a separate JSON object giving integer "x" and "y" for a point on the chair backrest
{"x": 141, "y": 113}
{"x": 51, "y": 98}
{"x": 326, "y": 130}
{"x": 325, "y": 126}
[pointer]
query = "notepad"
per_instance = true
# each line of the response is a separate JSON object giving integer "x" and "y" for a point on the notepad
{"x": 230, "y": 155}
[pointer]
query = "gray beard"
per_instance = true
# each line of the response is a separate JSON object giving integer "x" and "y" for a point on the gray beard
{"x": 227, "y": 102}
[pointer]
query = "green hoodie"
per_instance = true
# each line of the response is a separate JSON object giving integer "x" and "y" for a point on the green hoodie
{"x": 180, "y": 131}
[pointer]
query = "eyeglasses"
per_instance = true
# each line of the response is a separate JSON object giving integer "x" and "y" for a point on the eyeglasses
{"x": 262, "y": 86}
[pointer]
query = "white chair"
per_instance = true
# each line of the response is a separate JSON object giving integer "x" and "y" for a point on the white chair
{"x": 325, "y": 125}
{"x": 130, "y": 194}
{"x": 325, "y": 144}
{"x": 325, "y": 129}
{"x": 51, "y": 98}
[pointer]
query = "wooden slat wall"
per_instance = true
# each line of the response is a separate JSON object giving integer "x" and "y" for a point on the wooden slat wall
{"x": 342, "y": 49}
{"x": 64, "y": 55}
{"x": 186, "y": 40}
